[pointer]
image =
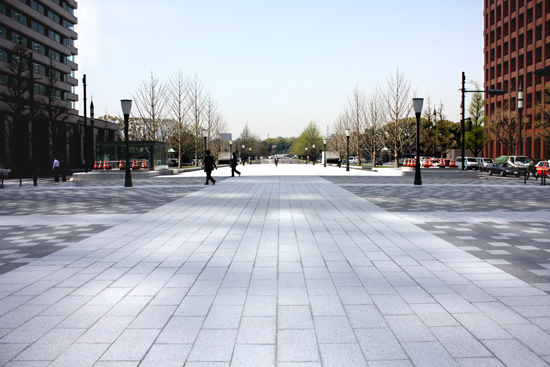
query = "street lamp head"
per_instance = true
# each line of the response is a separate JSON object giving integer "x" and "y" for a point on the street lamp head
{"x": 306, "y": 149}
{"x": 126, "y": 106}
{"x": 243, "y": 146}
{"x": 520, "y": 97}
{"x": 205, "y": 133}
{"x": 249, "y": 149}
{"x": 313, "y": 146}
{"x": 348, "y": 131}
{"x": 417, "y": 102}
{"x": 324, "y": 141}
{"x": 230, "y": 142}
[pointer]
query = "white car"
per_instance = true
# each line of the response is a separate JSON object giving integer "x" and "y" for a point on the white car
{"x": 4, "y": 170}
{"x": 353, "y": 160}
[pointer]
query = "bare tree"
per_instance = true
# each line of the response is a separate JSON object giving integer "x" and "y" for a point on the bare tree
{"x": 376, "y": 117}
{"x": 398, "y": 104}
{"x": 197, "y": 103}
{"x": 150, "y": 102}
{"x": 178, "y": 93}
{"x": 504, "y": 126}
{"x": 355, "y": 115}
{"x": 338, "y": 141}
{"x": 17, "y": 98}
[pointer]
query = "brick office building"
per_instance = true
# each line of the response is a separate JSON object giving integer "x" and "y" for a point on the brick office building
{"x": 517, "y": 43}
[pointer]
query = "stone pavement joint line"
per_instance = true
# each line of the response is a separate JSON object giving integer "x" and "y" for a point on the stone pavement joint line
{"x": 268, "y": 271}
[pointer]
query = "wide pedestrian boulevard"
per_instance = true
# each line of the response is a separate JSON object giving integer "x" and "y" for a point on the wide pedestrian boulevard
{"x": 284, "y": 266}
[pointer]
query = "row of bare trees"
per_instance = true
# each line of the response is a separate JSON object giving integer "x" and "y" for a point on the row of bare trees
{"x": 177, "y": 111}
{"x": 376, "y": 120}
{"x": 383, "y": 121}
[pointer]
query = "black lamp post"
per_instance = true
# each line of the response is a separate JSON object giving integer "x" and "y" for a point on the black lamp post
{"x": 249, "y": 154}
{"x": 325, "y": 150}
{"x": 313, "y": 155}
{"x": 462, "y": 106}
{"x": 230, "y": 149}
{"x": 243, "y": 154}
{"x": 435, "y": 133}
{"x": 520, "y": 110}
{"x": 92, "y": 137}
{"x": 306, "y": 155}
{"x": 126, "y": 108}
{"x": 348, "y": 132}
{"x": 417, "y": 102}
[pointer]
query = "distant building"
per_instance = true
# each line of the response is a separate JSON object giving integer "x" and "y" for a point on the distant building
{"x": 517, "y": 43}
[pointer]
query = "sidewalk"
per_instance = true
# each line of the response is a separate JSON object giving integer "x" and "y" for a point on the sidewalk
{"x": 278, "y": 267}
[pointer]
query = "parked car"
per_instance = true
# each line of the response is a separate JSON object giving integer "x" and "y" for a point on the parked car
{"x": 543, "y": 167}
{"x": 518, "y": 161}
{"x": 483, "y": 163}
{"x": 503, "y": 169}
{"x": 469, "y": 163}
{"x": 173, "y": 162}
{"x": 4, "y": 170}
{"x": 353, "y": 160}
{"x": 379, "y": 162}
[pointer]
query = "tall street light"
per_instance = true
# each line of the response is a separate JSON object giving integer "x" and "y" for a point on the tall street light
{"x": 325, "y": 150}
{"x": 230, "y": 149}
{"x": 313, "y": 156}
{"x": 306, "y": 155}
{"x": 348, "y": 131}
{"x": 462, "y": 105}
{"x": 417, "y": 102}
{"x": 92, "y": 138}
{"x": 249, "y": 154}
{"x": 243, "y": 154}
{"x": 520, "y": 110}
{"x": 126, "y": 108}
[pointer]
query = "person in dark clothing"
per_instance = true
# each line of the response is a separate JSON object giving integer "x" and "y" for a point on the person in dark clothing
{"x": 234, "y": 165}
{"x": 276, "y": 161}
{"x": 209, "y": 165}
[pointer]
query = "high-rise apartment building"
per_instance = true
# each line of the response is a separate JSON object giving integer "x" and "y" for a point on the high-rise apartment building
{"x": 46, "y": 29}
{"x": 517, "y": 43}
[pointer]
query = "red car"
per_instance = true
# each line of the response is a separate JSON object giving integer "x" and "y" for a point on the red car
{"x": 542, "y": 168}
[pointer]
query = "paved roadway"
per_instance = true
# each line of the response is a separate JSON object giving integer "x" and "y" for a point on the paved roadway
{"x": 289, "y": 266}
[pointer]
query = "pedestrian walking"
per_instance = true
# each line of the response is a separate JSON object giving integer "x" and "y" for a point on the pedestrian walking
{"x": 339, "y": 162}
{"x": 276, "y": 161}
{"x": 55, "y": 169}
{"x": 234, "y": 164}
{"x": 209, "y": 165}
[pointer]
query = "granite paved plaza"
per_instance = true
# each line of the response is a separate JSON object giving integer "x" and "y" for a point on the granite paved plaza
{"x": 284, "y": 266}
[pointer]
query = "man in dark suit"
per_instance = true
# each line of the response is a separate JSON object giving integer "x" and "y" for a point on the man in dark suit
{"x": 234, "y": 165}
{"x": 209, "y": 166}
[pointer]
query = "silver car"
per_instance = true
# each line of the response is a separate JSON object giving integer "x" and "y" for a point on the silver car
{"x": 4, "y": 170}
{"x": 483, "y": 163}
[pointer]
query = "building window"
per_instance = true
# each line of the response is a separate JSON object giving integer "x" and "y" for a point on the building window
{"x": 54, "y": 36}
{"x": 499, "y": 33}
{"x": 505, "y": 48}
{"x": 538, "y": 33}
{"x": 521, "y": 44}
{"x": 505, "y": 69}
{"x": 538, "y": 54}
{"x": 37, "y": 47}
{"x": 529, "y": 58}
{"x": 39, "y": 68}
{"x": 520, "y": 20}
{"x": 2, "y": 9}
{"x": 38, "y": 27}
{"x": 513, "y": 25}
{"x": 505, "y": 9}
{"x": 513, "y": 6}
{"x": 530, "y": 16}
{"x": 529, "y": 79}
{"x": 3, "y": 32}
{"x": 16, "y": 38}
{"x": 68, "y": 25}
{"x": 4, "y": 79}
{"x": 54, "y": 17}
{"x": 15, "y": 15}
{"x": 513, "y": 46}
{"x": 39, "y": 8}
{"x": 529, "y": 36}
{"x": 3, "y": 55}
{"x": 54, "y": 55}
{"x": 505, "y": 29}
{"x": 68, "y": 8}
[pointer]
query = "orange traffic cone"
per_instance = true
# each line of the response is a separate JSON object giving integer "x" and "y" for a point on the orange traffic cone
{"x": 100, "y": 165}
{"x": 122, "y": 165}
{"x": 144, "y": 165}
{"x": 107, "y": 165}
{"x": 135, "y": 165}
{"x": 96, "y": 165}
{"x": 452, "y": 163}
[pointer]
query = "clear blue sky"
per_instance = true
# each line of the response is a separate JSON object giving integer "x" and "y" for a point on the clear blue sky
{"x": 280, "y": 64}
